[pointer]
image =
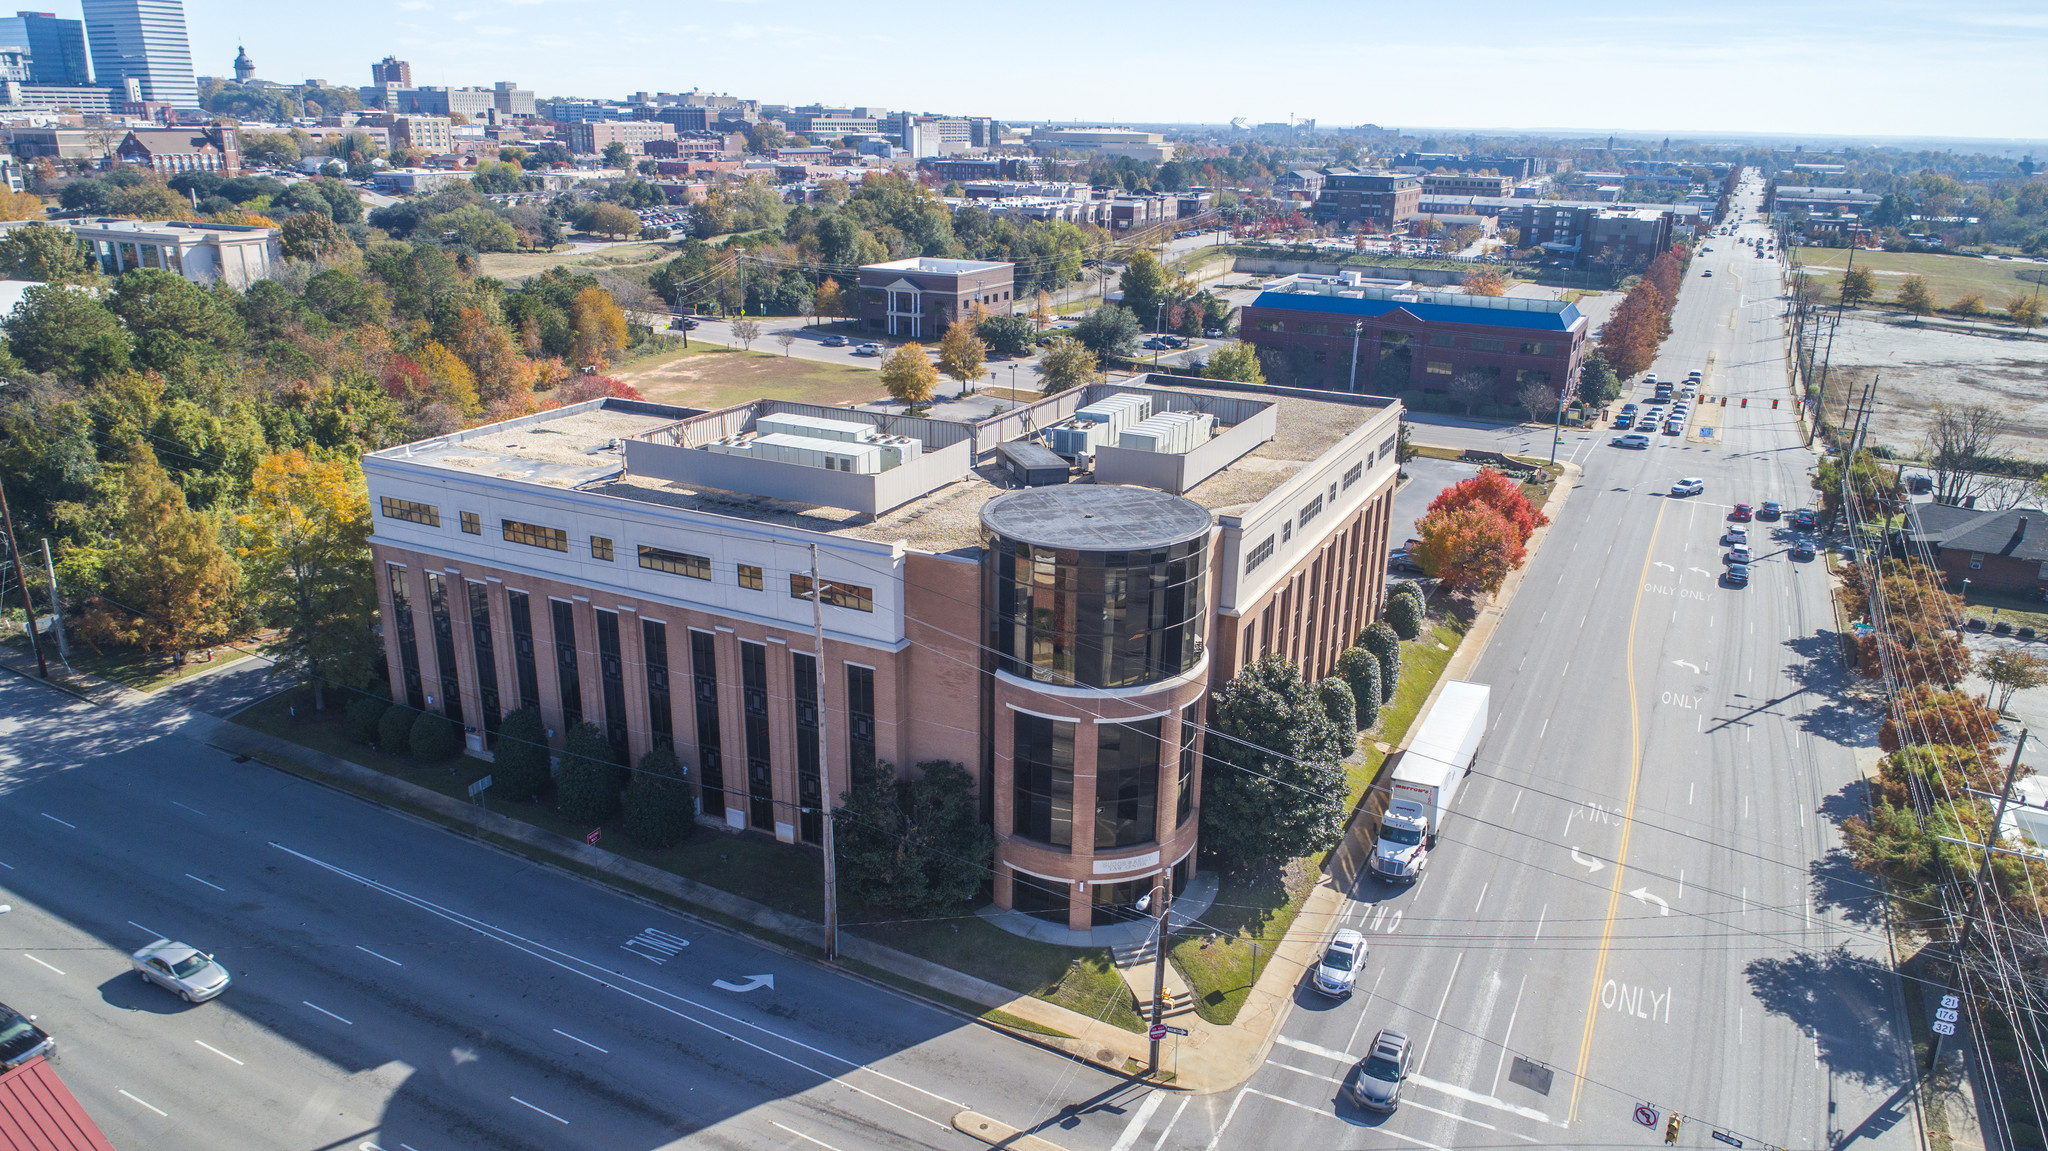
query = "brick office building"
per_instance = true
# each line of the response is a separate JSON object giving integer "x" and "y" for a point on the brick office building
{"x": 649, "y": 569}
{"x": 916, "y": 298}
{"x": 1382, "y": 200}
{"x": 1404, "y": 340}
{"x": 1994, "y": 550}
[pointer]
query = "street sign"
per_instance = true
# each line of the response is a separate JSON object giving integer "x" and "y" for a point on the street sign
{"x": 1157, "y": 1032}
{"x": 1176, "y": 1031}
{"x": 1646, "y": 1115}
{"x": 591, "y": 839}
{"x": 1941, "y": 1028}
{"x": 1730, "y": 1140}
{"x": 478, "y": 787}
{"x": 1951, "y": 1002}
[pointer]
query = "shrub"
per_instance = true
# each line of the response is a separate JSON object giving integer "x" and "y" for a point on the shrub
{"x": 434, "y": 738}
{"x": 361, "y": 717}
{"x": 1361, "y": 669}
{"x": 587, "y": 783}
{"x": 1335, "y": 696}
{"x": 522, "y": 755}
{"x": 659, "y": 808}
{"x": 1408, "y": 588}
{"x": 1404, "y": 615}
{"x": 1380, "y": 640}
{"x": 394, "y": 729}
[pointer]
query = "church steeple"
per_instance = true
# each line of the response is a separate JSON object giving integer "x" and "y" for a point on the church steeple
{"x": 245, "y": 68}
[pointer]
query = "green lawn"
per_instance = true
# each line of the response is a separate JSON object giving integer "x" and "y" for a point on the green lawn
{"x": 1422, "y": 663}
{"x": 1992, "y": 607}
{"x": 710, "y": 376}
{"x": 143, "y": 671}
{"x": 1949, "y": 277}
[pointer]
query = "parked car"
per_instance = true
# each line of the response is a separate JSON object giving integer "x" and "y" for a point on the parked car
{"x": 1690, "y": 486}
{"x": 1155, "y": 343}
{"x": 1741, "y": 514}
{"x": 834, "y": 341}
{"x": 20, "y": 1039}
{"x": 1404, "y": 561}
{"x": 1342, "y": 960}
{"x": 1376, "y": 1082}
{"x": 1212, "y": 333}
{"x": 189, "y": 972}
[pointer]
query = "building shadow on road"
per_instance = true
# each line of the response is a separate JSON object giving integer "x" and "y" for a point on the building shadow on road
{"x": 1844, "y": 1002}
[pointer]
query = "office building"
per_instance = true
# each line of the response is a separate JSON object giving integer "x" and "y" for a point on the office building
{"x": 1103, "y": 142}
{"x": 473, "y": 104}
{"x": 508, "y": 99}
{"x": 234, "y": 254}
{"x": 391, "y": 70}
{"x": 55, "y": 48}
{"x": 651, "y": 570}
{"x": 1467, "y": 184}
{"x": 918, "y": 297}
{"x": 433, "y": 135}
{"x": 1341, "y": 334}
{"x": 1823, "y": 203}
{"x": 1515, "y": 168}
{"x": 142, "y": 41}
{"x": 169, "y": 151}
{"x": 1381, "y": 200}
{"x": 592, "y": 137}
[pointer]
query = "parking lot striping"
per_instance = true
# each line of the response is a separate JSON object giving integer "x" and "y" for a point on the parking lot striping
{"x": 54, "y": 819}
{"x": 196, "y": 879}
{"x": 585, "y": 1042}
{"x": 1495, "y": 1089}
{"x": 1136, "y": 1126}
{"x": 542, "y": 1110}
{"x": 38, "y": 962}
{"x": 193, "y": 810}
{"x": 1422, "y": 1060}
{"x": 619, "y": 981}
{"x": 804, "y": 1137}
{"x": 324, "y": 1011}
{"x": 147, "y": 931}
{"x": 1168, "y": 1129}
{"x": 385, "y": 958}
{"x": 151, "y": 1106}
{"x": 219, "y": 1052}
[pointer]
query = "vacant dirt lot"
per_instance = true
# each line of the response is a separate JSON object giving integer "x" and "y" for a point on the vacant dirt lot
{"x": 1922, "y": 365}
{"x": 713, "y": 377}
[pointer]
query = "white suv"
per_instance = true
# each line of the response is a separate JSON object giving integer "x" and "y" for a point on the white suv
{"x": 1688, "y": 487}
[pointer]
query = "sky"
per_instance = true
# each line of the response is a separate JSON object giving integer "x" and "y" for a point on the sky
{"x": 1953, "y": 68}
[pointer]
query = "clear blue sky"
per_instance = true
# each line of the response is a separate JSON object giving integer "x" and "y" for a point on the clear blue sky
{"x": 1871, "y": 67}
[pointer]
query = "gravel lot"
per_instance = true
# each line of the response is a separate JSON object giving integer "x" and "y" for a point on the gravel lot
{"x": 1923, "y": 365}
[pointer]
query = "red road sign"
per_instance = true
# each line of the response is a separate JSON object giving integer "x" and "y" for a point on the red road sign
{"x": 591, "y": 839}
{"x": 1646, "y": 1115}
{"x": 1157, "y": 1032}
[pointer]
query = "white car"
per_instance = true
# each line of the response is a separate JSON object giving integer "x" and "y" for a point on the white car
{"x": 189, "y": 972}
{"x": 1735, "y": 536}
{"x": 1688, "y": 487}
{"x": 1631, "y": 440}
{"x": 1342, "y": 960}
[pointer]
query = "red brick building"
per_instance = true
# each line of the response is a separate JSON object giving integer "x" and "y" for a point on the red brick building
{"x": 1998, "y": 550}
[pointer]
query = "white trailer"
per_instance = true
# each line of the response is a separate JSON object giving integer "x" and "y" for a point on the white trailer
{"x": 1425, "y": 781}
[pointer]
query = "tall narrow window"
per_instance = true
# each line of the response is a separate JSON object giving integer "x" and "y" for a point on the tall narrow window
{"x": 710, "y": 750}
{"x": 1190, "y": 729}
{"x": 444, "y": 645}
{"x": 611, "y": 668}
{"x": 566, "y": 674}
{"x": 754, "y": 695}
{"x": 660, "y": 720}
{"x": 408, "y": 643}
{"x": 810, "y": 791}
{"x": 1126, "y": 783}
{"x": 522, "y": 648}
{"x": 1042, "y": 760}
{"x": 860, "y": 717}
{"x": 486, "y": 658}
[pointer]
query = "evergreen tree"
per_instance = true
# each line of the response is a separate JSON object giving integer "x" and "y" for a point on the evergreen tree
{"x": 915, "y": 846}
{"x": 587, "y": 783}
{"x": 1380, "y": 640}
{"x": 1273, "y": 788}
{"x": 394, "y": 730}
{"x": 522, "y": 758}
{"x": 660, "y": 811}
{"x": 433, "y": 738}
{"x": 1335, "y": 696}
{"x": 1361, "y": 669}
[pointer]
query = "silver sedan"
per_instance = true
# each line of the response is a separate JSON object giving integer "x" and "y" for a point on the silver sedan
{"x": 189, "y": 972}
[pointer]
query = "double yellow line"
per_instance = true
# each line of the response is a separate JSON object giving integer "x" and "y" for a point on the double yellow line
{"x": 1628, "y": 823}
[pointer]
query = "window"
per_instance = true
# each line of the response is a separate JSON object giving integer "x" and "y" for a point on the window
{"x": 837, "y": 594}
{"x": 535, "y": 536}
{"x": 1536, "y": 376}
{"x": 675, "y": 563}
{"x": 750, "y": 577}
{"x": 611, "y": 677}
{"x": 810, "y": 790}
{"x": 410, "y": 512}
{"x": 1532, "y": 348}
{"x": 444, "y": 645}
{"x": 600, "y": 549}
{"x": 654, "y": 650}
{"x": 1190, "y": 730}
{"x": 1488, "y": 344}
{"x": 1439, "y": 368}
{"x": 1042, "y": 764}
{"x": 754, "y": 707}
{"x": 710, "y": 749}
{"x": 1263, "y": 325}
{"x": 1311, "y": 510}
{"x": 1258, "y": 555}
{"x": 1286, "y": 530}
{"x": 471, "y": 524}
{"x": 1352, "y": 475}
{"x": 522, "y": 648}
{"x": 1388, "y": 445}
{"x": 1126, "y": 783}
{"x": 408, "y": 645}
{"x": 566, "y": 676}
{"x": 1442, "y": 340}
{"x": 486, "y": 663}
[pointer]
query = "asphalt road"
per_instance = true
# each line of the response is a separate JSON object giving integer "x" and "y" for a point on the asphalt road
{"x": 1637, "y": 901}
{"x": 399, "y": 986}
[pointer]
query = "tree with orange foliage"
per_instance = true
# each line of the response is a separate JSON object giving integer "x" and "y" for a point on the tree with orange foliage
{"x": 1631, "y": 335}
{"x": 501, "y": 373}
{"x": 600, "y": 327}
{"x": 448, "y": 379}
{"x": 1493, "y": 489}
{"x": 1485, "y": 282}
{"x": 1471, "y": 548}
{"x": 1926, "y": 715}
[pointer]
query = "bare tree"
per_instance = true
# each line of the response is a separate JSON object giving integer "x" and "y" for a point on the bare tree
{"x": 1958, "y": 441}
{"x": 746, "y": 330}
{"x": 1470, "y": 388}
{"x": 1539, "y": 400}
{"x": 785, "y": 337}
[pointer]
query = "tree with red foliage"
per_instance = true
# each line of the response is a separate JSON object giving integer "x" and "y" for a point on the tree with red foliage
{"x": 1493, "y": 489}
{"x": 1630, "y": 337}
{"x": 1471, "y": 547}
{"x": 582, "y": 388}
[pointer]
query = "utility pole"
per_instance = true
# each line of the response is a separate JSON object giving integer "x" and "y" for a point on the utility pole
{"x": 56, "y": 605}
{"x": 1983, "y": 881}
{"x": 1357, "y": 329}
{"x": 1165, "y": 890}
{"x": 824, "y": 767}
{"x": 20, "y": 577}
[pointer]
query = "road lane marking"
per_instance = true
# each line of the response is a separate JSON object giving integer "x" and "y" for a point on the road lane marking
{"x": 385, "y": 958}
{"x": 72, "y": 826}
{"x": 1539, "y": 922}
{"x": 151, "y": 1106}
{"x": 1635, "y": 770}
{"x": 771, "y": 1123}
{"x": 324, "y": 1011}
{"x": 8, "y": 866}
{"x": 1512, "y": 808}
{"x": 38, "y": 962}
{"x": 1369, "y": 997}
{"x": 147, "y": 931}
{"x": 193, "y": 810}
{"x": 1217, "y": 1139}
{"x": 196, "y": 879}
{"x": 1136, "y": 1126}
{"x": 1170, "y": 1123}
{"x": 1495, "y": 1089}
{"x": 542, "y": 1110}
{"x": 1482, "y": 896}
{"x": 1405, "y": 1102}
{"x": 219, "y": 1052}
{"x": 1422, "y": 1060}
{"x": 585, "y": 1042}
{"x": 1451, "y": 1089}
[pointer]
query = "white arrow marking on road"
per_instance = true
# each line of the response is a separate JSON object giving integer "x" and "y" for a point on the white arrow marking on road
{"x": 1702, "y": 571}
{"x": 1591, "y": 865}
{"x": 1692, "y": 667}
{"x": 752, "y": 982}
{"x": 1642, "y": 895}
{"x": 1665, "y": 566}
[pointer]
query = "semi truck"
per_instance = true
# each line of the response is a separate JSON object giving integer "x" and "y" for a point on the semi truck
{"x": 1425, "y": 781}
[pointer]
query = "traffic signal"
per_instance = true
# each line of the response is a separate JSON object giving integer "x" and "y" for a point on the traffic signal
{"x": 1671, "y": 1130}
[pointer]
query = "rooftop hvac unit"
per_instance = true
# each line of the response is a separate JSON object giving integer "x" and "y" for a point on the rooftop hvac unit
{"x": 814, "y": 427}
{"x": 1117, "y": 412}
{"x": 1076, "y": 439}
{"x": 1172, "y": 433}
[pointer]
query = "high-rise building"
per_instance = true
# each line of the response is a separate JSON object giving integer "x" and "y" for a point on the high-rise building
{"x": 56, "y": 48}
{"x": 391, "y": 70}
{"x": 144, "y": 41}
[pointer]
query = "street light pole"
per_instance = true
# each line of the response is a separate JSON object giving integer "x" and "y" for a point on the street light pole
{"x": 1557, "y": 426}
{"x": 824, "y": 767}
{"x": 1165, "y": 892}
{"x": 1357, "y": 329}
